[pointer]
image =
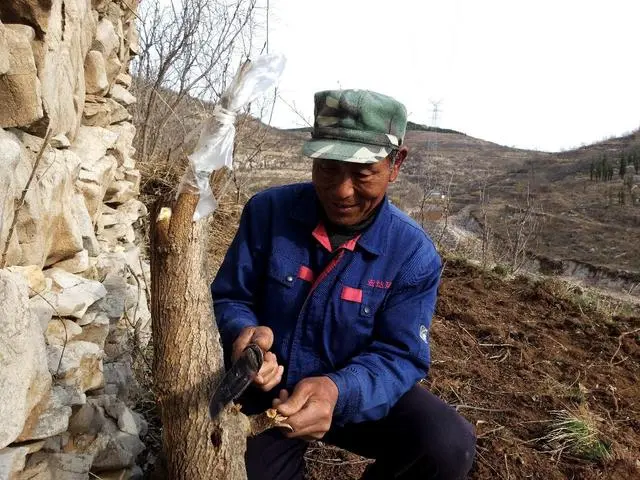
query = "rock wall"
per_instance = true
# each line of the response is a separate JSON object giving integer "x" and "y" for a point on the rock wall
{"x": 72, "y": 284}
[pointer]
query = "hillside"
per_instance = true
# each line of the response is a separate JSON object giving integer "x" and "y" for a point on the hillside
{"x": 576, "y": 219}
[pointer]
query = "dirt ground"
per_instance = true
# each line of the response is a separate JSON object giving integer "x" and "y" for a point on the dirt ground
{"x": 510, "y": 354}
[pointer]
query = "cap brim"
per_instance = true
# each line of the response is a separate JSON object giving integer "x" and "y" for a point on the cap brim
{"x": 345, "y": 151}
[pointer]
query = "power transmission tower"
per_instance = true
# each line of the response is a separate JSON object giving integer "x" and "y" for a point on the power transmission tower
{"x": 432, "y": 143}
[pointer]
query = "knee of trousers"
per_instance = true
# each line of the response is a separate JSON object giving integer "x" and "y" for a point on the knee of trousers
{"x": 453, "y": 454}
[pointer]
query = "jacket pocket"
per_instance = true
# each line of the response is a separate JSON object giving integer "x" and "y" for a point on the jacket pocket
{"x": 284, "y": 290}
{"x": 353, "y": 322}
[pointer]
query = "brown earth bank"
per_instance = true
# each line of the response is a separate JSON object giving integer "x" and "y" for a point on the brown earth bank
{"x": 514, "y": 358}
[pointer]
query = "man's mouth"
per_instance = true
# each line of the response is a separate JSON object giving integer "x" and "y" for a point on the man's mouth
{"x": 343, "y": 207}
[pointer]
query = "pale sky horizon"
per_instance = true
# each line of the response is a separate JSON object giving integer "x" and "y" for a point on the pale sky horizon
{"x": 549, "y": 75}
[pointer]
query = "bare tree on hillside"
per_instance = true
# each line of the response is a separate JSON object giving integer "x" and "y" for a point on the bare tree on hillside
{"x": 188, "y": 48}
{"x": 522, "y": 230}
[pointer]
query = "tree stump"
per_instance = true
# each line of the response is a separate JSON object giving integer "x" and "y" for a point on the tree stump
{"x": 188, "y": 360}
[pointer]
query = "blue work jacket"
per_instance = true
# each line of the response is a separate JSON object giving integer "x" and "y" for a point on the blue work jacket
{"x": 360, "y": 313}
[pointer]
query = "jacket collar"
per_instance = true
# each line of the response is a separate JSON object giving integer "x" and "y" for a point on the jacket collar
{"x": 374, "y": 239}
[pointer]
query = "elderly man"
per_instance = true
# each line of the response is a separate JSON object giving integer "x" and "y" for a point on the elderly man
{"x": 338, "y": 287}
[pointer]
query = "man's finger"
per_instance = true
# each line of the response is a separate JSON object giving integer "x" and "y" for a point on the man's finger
{"x": 295, "y": 402}
{"x": 263, "y": 337}
{"x": 282, "y": 397}
{"x": 309, "y": 422}
{"x": 242, "y": 341}
{"x": 274, "y": 380}
{"x": 268, "y": 371}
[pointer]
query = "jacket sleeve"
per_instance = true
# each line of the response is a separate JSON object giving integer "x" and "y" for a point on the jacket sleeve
{"x": 398, "y": 357}
{"x": 234, "y": 286}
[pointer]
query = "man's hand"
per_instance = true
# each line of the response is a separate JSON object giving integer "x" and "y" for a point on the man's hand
{"x": 309, "y": 408}
{"x": 270, "y": 373}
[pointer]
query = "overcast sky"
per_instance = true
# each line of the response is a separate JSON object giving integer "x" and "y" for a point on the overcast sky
{"x": 547, "y": 75}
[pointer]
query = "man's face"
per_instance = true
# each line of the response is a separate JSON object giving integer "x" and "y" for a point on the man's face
{"x": 350, "y": 192}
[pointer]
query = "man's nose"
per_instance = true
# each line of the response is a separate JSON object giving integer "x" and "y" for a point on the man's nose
{"x": 344, "y": 188}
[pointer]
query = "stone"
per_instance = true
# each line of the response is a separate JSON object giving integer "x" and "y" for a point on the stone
{"x": 62, "y": 330}
{"x": 10, "y": 154}
{"x": 88, "y": 318}
{"x": 114, "y": 68}
{"x": 96, "y": 168}
{"x": 95, "y": 73}
{"x": 35, "y": 13}
{"x": 92, "y": 143}
{"x": 85, "y": 225}
{"x": 80, "y": 367}
{"x": 52, "y": 417}
{"x": 127, "y": 213}
{"x": 106, "y": 41}
{"x": 72, "y": 295}
{"x": 121, "y": 451}
{"x": 113, "y": 303}
{"x": 46, "y": 229}
{"x": 111, "y": 262}
{"x": 88, "y": 420}
{"x": 102, "y": 112}
{"x": 122, "y": 95}
{"x": 96, "y": 331}
{"x": 54, "y": 466}
{"x": 127, "y": 422}
{"x": 123, "y": 149}
{"x": 34, "y": 277}
{"x": 60, "y": 141}
{"x": 57, "y": 443}
{"x": 76, "y": 264}
{"x": 13, "y": 459}
{"x": 41, "y": 307}
{"x": 4, "y": 52}
{"x": 125, "y": 80}
{"x": 133, "y": 39}
{"x": 119, "y": 379}
{"x": 121, "y": 191}
{"x": 94, "y": 182}
{"x": 24, "y": 376}
{"x": 133, "y": 258}
{"x": 59, "y": 56}
{"x": 111, "y": 447}
{"x": 20, "y": 89}
{"x": 116, "y": 234}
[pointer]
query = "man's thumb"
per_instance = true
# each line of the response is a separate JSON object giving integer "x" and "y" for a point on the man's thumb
{"x": 293, "y": 404}
{"x": 263, "y": 337}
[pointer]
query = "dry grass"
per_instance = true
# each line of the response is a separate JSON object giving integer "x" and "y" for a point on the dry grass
{"x": 576, "y": 433}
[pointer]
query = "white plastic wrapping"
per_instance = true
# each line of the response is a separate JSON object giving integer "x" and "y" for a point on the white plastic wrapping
{"x": 215, "y": 146}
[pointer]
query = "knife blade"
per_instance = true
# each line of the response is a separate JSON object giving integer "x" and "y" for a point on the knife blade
{"x": 237, "y": 379}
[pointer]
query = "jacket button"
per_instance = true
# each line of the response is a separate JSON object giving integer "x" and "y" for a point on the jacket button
{"x": 367, "y": 310}
{"x": 289, "y": 279}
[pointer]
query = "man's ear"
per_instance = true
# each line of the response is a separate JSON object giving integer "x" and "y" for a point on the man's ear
{"x": 400, "y": 156}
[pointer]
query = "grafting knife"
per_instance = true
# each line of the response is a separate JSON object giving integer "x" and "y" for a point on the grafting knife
{"x": 237, "y": 379}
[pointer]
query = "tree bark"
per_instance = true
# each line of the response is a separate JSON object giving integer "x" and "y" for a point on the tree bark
{"x": 188, "y": 359}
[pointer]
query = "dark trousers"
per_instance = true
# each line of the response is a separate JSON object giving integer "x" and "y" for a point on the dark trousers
{"x": 421, "y": 438}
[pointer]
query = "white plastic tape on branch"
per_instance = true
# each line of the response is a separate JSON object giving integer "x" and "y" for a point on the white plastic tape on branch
{"x": 215, "y": 146}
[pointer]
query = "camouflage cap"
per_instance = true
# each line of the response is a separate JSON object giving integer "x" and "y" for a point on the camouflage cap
{"x": 357, "y": 126}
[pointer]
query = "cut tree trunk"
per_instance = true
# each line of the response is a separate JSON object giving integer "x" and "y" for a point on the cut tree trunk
{"x": 188, "y": 359}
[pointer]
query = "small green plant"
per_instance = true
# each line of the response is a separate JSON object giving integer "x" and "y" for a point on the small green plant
{"x": 576, "y": 433}
{"x": 502, "y": 269}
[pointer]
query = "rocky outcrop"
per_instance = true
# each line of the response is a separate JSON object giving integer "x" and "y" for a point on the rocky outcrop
{"x": 72, "y": 282}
